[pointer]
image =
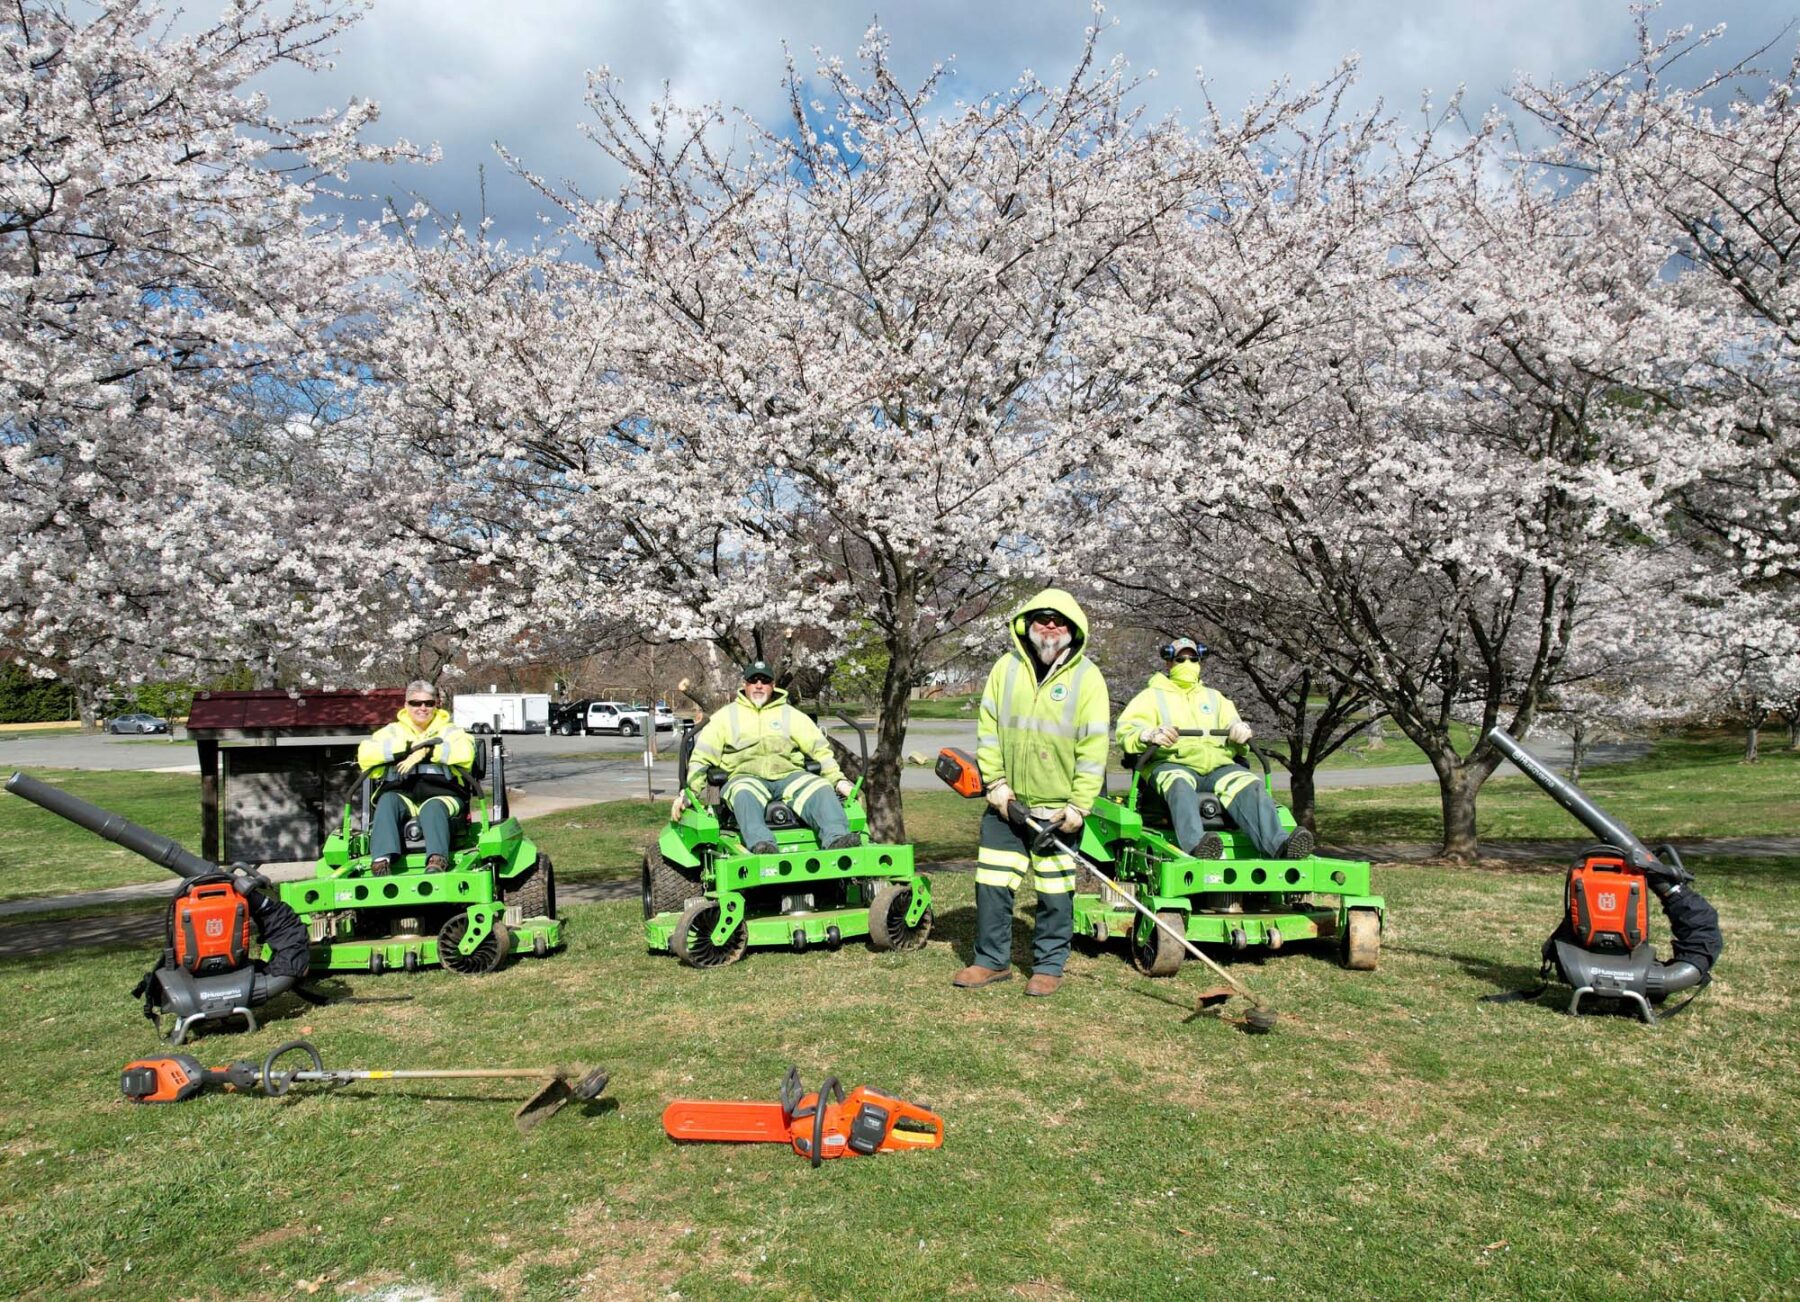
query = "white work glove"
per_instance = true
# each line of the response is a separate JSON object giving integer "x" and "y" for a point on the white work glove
{"x": 1000, "y": 796}
{"x": 844, "y": 787}
{"x": 406, "y": 765}
{"x": 1239, "y": 733}
{"x": 1070, "y": 820}
{"x": 676, "y": 808}
{"x": 1164, "y": 734}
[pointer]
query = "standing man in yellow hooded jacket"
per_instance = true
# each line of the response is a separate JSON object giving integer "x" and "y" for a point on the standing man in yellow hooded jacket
{"x": 1183, "y": 767}
{"x": 1042, "y": 741}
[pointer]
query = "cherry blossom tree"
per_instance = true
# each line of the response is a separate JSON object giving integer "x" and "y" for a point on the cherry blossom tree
{"x": 171, "y": 305}
{"x": 839, "y": 373}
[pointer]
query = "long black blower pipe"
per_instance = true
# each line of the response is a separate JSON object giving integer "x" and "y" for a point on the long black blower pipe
{"x": 279, "y": 926}
{"x": 159, "y": 850}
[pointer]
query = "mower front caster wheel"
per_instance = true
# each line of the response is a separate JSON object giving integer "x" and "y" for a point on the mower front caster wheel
{"x": 1362, "y": 940}
{"x": 481, "y": 960}
{"x": 1159, "y": 954}
{"x": 692, "y": 941}
{"x": 887, "y": 920}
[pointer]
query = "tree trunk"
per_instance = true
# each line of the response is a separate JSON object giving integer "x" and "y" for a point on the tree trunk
{"x": 1793, "y": 729}
{"x": 1303, "y": 794}
{"x": 881, "y": 784}
{"x": 88, "y": 698}
{"x": 1750, "y": 755}
{"x": 1457, "y": 789}
{"x": 1578, "y": 749}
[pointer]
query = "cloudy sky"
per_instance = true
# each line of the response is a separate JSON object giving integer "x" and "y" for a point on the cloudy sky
{"x": 468, "y": 73}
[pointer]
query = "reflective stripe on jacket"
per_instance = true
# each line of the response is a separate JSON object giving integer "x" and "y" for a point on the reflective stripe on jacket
{"x": 1167, "y": 701}
{"x": 457, "y": 750}
{"x": 1047, "y": 741}
{"x": 767, "y": 742}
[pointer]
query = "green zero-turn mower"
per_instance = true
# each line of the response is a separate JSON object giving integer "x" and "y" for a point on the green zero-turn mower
{"x": 497, "y": 896}
{"x": 1238, "y": 899}
{"x": 707, "y": 899}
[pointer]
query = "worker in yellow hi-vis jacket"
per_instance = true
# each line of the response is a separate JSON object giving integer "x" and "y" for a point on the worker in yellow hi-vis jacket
{"x": 1042, "y": 742}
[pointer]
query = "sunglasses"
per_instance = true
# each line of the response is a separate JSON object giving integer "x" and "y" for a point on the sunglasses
{"x": 1187, "y": 655}
{"x": 416, "y": 704}
{"x": 1049, "y": 619}
{"x": 766, "y": 682}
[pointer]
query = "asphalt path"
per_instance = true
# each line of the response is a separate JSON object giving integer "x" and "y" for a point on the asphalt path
{"x": 559, "y": 771}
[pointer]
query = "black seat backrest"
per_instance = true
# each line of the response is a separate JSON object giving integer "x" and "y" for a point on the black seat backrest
{"x": 478, "y": 769}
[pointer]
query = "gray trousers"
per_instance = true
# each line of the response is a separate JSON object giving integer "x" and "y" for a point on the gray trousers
{"x": 1001, "y": 864}
{"x": 1248, "y": 803}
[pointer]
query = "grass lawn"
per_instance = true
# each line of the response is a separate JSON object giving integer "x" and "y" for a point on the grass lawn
{"x": 1393, "y": 1138}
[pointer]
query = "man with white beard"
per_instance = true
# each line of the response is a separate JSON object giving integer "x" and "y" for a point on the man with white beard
{"x": 1041, "y": 742}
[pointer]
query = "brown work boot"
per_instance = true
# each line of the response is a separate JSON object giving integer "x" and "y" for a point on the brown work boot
{"x": 436, "y": 863}
{"x": 974, "y": 976}
{"x": 1043, "y": 983}
{"x": 1210, "y": 846}
{"x": 379, "y": 867}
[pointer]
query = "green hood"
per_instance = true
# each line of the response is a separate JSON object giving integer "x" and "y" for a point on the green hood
{"x": 1049, "y": 599}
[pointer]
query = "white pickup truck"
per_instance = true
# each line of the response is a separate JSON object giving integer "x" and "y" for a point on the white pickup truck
{"x": 620, "y": 718}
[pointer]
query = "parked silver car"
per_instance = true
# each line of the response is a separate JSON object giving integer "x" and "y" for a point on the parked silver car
{"x": 139, "y": 723}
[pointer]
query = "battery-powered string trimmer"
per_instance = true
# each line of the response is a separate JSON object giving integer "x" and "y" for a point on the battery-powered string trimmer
{"x": 960, "y": 772}
{"x": 175, "y": 1077}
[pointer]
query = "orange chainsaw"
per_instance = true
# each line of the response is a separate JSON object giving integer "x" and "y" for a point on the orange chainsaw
{"x": 825, "y": 1124}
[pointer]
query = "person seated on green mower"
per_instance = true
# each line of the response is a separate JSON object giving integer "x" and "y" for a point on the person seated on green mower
{"x": 762, "y": 743}
{"x": 431, "y": 785}
{"x": 1183, "y": 767}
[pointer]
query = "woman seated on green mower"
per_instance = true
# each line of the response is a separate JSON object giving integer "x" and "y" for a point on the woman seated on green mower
{"x": 430, "y": 784}
{"x": 763, "y": 744}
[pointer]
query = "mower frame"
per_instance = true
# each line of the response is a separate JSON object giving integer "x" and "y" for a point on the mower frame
{"x": 1242, "y": 900}
{"x": 801, "y": 896}
{"x": 468, "y": 917}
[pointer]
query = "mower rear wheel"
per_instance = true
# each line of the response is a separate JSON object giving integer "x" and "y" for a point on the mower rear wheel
{"x": 665, "y": 886}
{"x": 693, "y": 937}
{"x": 1362, "y": 940}
{"x": 484, "y": 958}
{"x": 1159, "y": 954}
{"x": 533, "y": 891}
{"x": 887, "y": 919}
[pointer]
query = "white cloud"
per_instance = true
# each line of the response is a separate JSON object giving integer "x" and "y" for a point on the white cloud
{"x": 467, "y": 74}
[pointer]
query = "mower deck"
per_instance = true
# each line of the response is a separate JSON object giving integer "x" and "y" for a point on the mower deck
{"x": 1241, "y": 900}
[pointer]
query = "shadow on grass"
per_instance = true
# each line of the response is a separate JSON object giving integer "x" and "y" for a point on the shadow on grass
{"x": 1502, "y": 976}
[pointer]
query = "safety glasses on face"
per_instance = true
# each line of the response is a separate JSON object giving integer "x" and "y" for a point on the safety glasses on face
{"x": 759, "y": 682}
{"x": 1188, "y": 657}
{"x": 421, "y": 705}
{"x": 1050, "y": 618}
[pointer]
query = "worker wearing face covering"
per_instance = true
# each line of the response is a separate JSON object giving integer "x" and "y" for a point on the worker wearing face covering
{"x": 1042, "y": 742}
{"x": 1183, "y": 767}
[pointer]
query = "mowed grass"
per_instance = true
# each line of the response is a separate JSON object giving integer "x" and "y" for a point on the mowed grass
{"x": 1392, "y": 1138}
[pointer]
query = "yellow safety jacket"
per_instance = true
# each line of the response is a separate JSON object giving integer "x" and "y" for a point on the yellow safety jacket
{"x": 1196, "y": 706}
{"x": 1047, "y": 741}
{"x": 457, "y": 750}
{"x": 770, "y": 741}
